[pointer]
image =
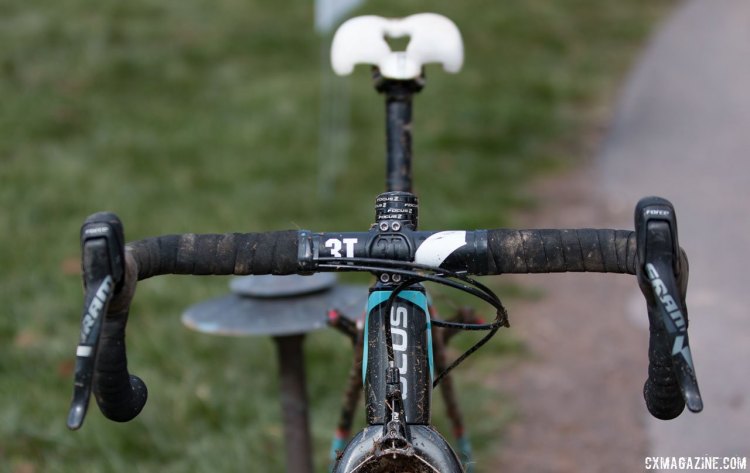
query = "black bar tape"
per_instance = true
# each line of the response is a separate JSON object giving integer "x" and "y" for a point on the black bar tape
{"x": 217, "y": 254}
{"x": 120, "y": 395}
{"x": 554, "y": 251}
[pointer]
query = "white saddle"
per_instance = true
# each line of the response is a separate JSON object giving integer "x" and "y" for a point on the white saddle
{"x": 433, "y": 39}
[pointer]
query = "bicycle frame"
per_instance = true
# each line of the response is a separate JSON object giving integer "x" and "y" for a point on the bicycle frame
{"x": 420, "y": 446}
{"x": 411, "y": 330}
{"x": 438, "y": 338}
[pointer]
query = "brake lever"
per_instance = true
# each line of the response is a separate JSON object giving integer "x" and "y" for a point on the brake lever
{"x": 102, "y": 258}
{"x": 659, "y": 255}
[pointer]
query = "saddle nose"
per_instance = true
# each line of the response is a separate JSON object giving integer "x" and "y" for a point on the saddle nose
{"x": 362, "y": 40}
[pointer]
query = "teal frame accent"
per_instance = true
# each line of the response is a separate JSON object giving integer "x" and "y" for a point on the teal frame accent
{"x": 415, "y": 297}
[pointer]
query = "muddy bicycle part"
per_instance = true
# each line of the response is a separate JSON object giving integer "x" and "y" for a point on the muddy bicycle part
{"x": 353, "y": 390}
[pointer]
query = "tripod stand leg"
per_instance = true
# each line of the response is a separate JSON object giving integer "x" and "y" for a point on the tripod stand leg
{"x": 294, "y": 404}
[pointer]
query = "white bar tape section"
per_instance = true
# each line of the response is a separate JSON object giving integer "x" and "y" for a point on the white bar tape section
{"x": 435, "y": 249}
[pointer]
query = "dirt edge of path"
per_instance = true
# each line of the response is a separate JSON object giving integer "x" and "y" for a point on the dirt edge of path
{"x": 578, "y": 395}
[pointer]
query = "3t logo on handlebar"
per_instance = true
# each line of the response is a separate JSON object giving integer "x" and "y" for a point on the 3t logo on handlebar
{"x": 335, "y": 245}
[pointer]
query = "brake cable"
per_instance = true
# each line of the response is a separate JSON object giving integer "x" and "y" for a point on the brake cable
{"x": 439, "y": 276}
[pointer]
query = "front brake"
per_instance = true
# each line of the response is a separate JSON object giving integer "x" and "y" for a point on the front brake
{"x": 662, "y": 276}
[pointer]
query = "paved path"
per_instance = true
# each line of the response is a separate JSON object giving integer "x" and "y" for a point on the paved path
{"x": 682, "y": 131}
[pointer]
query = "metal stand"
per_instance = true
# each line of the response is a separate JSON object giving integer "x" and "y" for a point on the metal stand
{"x": 294, "y": 403}
{"x": 286, "y": 308}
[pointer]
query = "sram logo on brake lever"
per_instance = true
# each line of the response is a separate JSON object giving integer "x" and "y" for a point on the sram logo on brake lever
{"x": 675, "y": 323}
{"x": 678, "y": 326}
{"x": 102, "y": 255}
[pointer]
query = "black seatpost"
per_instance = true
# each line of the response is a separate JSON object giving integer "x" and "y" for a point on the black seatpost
{"x": 398, "y": 99}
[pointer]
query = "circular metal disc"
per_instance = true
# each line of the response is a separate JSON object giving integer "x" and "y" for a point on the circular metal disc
{"x": 282, "y": 286}
{"x": 238, "y": 315}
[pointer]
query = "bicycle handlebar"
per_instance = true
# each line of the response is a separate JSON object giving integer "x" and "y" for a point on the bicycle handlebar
{"x": 480, "y": 252}
{"x": 216, "y": 254}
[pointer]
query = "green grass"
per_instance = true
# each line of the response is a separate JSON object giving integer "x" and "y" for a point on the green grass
{"x": 203, "y": 116}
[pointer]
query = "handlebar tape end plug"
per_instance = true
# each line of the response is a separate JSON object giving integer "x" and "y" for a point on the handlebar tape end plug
{"x": 125, "y": 406}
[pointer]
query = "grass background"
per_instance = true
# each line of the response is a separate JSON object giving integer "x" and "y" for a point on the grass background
{"x": 204, "y": 116}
